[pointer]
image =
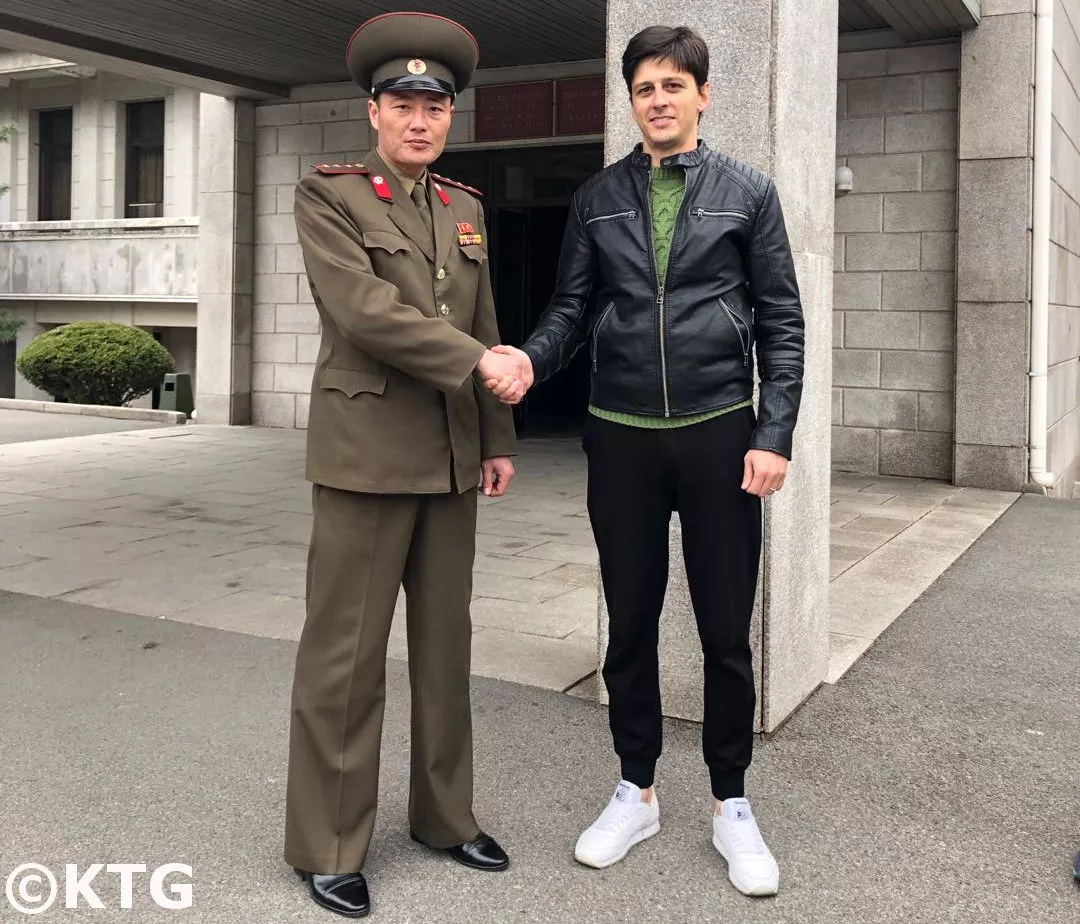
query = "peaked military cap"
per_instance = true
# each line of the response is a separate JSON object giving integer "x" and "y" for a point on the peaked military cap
{"x": 412, "y": 51}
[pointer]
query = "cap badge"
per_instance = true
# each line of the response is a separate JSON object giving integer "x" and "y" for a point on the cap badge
{"x": 416, "y": 66}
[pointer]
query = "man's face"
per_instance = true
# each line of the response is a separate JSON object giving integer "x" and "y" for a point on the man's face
{"x": 412, "y": 127}
{"x": 665, "y": 103}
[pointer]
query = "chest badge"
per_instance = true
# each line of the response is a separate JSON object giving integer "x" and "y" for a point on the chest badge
{"x": 467, "y": 234}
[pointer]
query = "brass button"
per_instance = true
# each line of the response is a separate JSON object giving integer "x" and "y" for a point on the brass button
{"x": 441, "y": 274}
{"x": 444, "y": 310}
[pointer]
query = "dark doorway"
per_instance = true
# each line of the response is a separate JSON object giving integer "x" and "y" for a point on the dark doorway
{"x": 7, "y": 370}
{"x": 526, "y": 202}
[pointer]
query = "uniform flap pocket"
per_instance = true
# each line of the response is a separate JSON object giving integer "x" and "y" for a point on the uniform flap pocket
{"x": 474, "y": 252}
{"x": 386, "y": 240}
{"x": 351, "y": 382}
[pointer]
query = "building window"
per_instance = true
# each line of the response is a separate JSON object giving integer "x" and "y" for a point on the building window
{"x": 144, "y": 189}
{"x": 54, "y": 165}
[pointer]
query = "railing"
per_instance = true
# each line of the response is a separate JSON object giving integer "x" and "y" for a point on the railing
{"x": 129, "y": 259}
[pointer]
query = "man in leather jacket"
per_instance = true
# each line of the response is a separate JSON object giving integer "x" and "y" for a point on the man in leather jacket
{"x": 676, "y": 270}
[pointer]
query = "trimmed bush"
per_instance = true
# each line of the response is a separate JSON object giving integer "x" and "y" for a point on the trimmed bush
{"x": 95, "y": 362}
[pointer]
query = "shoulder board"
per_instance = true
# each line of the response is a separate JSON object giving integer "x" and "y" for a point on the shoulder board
{"x": 341, "y": 169}
{"x": 455, "y": 183}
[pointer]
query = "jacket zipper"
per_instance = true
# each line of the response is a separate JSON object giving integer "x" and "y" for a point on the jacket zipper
{"x": 660, "y": 286}
{"x": 630, "y": 214}
{"x": 596, "y": 334}
{"x": 718, "y": 213}
{"x": 736, "y": 322}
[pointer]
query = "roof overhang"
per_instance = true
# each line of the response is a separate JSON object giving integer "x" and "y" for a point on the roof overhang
{"x": 912, "y": 20}
{"x": 264, "y": 48}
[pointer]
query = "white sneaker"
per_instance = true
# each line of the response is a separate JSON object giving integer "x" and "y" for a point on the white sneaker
{"x": 752, "y": 868}
{"x": 625, "y": 822}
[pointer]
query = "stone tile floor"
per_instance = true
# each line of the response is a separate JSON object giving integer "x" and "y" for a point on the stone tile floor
{"x": 209, "y": 525}
{"x": 890, "y": 539}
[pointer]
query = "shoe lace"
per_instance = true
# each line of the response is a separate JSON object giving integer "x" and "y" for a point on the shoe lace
{"x": 746, "y": 838}
{"x": 615, "y": 817}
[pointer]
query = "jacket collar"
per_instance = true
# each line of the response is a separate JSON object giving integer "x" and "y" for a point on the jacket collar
{"x": 695, "y": 158}
{"x": 402, "y": 210}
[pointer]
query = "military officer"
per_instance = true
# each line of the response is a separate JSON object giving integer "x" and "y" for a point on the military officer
{"x": 402, "y": 432}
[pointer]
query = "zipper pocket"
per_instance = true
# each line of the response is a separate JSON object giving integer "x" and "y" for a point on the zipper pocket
{"x": 739, "y": 325}
{"x": 629, "y": 215}
{"x": 719, "y": 213}
{"x": 596, "y": 333}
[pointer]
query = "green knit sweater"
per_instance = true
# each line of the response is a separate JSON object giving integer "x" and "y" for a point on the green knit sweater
{"x": 666, "y": 188}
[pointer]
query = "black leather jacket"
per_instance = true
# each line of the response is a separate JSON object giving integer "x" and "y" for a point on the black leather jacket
{"x": 684, "y": 347}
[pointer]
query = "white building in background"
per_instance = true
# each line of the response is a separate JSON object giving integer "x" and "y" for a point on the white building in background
{"x": 101, "y": 218}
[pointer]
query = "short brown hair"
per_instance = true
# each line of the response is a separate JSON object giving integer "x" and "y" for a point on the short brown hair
{"x": 682, "y": 46}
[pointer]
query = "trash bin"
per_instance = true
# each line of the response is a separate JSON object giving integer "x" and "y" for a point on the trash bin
{"x": 176, "y": 393}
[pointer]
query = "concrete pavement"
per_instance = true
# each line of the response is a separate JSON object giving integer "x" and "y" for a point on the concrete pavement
{"x": 29, "y": 426}
{"x": 938, "y": 783}
{"x": 210, "y": 525}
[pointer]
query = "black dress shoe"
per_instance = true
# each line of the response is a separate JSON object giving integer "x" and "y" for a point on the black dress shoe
{"x": 483, "y": 854}
{"x": 345, "y": 894}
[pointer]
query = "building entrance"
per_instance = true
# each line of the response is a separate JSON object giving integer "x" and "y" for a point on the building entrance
{"x": 526, "y": 202}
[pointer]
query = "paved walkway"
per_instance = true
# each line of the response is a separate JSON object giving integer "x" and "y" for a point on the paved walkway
{"x": 209, "y": 525}
{"x": 938, "y": 783}
{"x": 24, "y": 426}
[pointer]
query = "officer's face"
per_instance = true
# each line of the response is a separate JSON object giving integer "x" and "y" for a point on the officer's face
{"x": 666, "y": 103}
{"x": 412, "y": 127}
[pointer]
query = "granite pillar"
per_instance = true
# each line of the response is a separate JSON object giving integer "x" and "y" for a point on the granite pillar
{"x": 226, "y": 259}
{"x": 773, "y": 80}
{"x": 993, "y": 248}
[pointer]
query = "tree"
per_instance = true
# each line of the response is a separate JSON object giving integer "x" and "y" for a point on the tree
{"x": 6, "y": 131}
{"x": 9, "y": 326}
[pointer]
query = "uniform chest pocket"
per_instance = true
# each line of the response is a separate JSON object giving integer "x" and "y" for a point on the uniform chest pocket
{"x": 474, "y": 252}
{"x": 386, "y": 240}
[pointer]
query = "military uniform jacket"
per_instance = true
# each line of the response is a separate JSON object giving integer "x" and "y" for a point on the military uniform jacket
{"x": 395, "y": 404}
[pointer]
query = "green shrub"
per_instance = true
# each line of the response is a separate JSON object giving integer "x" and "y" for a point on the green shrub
{"x": 95, "y": 362}
{"x": 9, "y": 327}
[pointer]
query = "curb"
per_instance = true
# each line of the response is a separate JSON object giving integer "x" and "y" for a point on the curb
{"x": 94, "y": 410}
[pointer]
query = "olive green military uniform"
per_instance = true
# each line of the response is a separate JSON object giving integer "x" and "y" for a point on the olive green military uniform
{"x": 397, "y": 430}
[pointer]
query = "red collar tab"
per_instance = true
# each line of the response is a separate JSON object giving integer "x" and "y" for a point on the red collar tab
{"x": 443, "y": 197}
{"x": 382, "y": 188}
{"x": 457, "y": 185}
{"x": 341, "y": 169}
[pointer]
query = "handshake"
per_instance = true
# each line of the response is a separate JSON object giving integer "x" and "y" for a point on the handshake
{"x": 507, "y": 372}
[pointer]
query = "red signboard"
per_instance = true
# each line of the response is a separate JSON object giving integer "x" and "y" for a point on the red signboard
{"x": 521, "y": 110}
{"x": 580, "y": 106}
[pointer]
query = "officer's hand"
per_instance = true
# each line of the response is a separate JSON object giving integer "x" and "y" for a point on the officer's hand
{"x": 763, "y": 472}
{"x": 497, "y": 473}
{"x": 506, "y": 391}
{"x": 501, "y": 372}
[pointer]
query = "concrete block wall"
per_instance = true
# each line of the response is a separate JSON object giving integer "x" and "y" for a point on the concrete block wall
{"x": 894, "y": 304}
{"x": 1063, "y": 417}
